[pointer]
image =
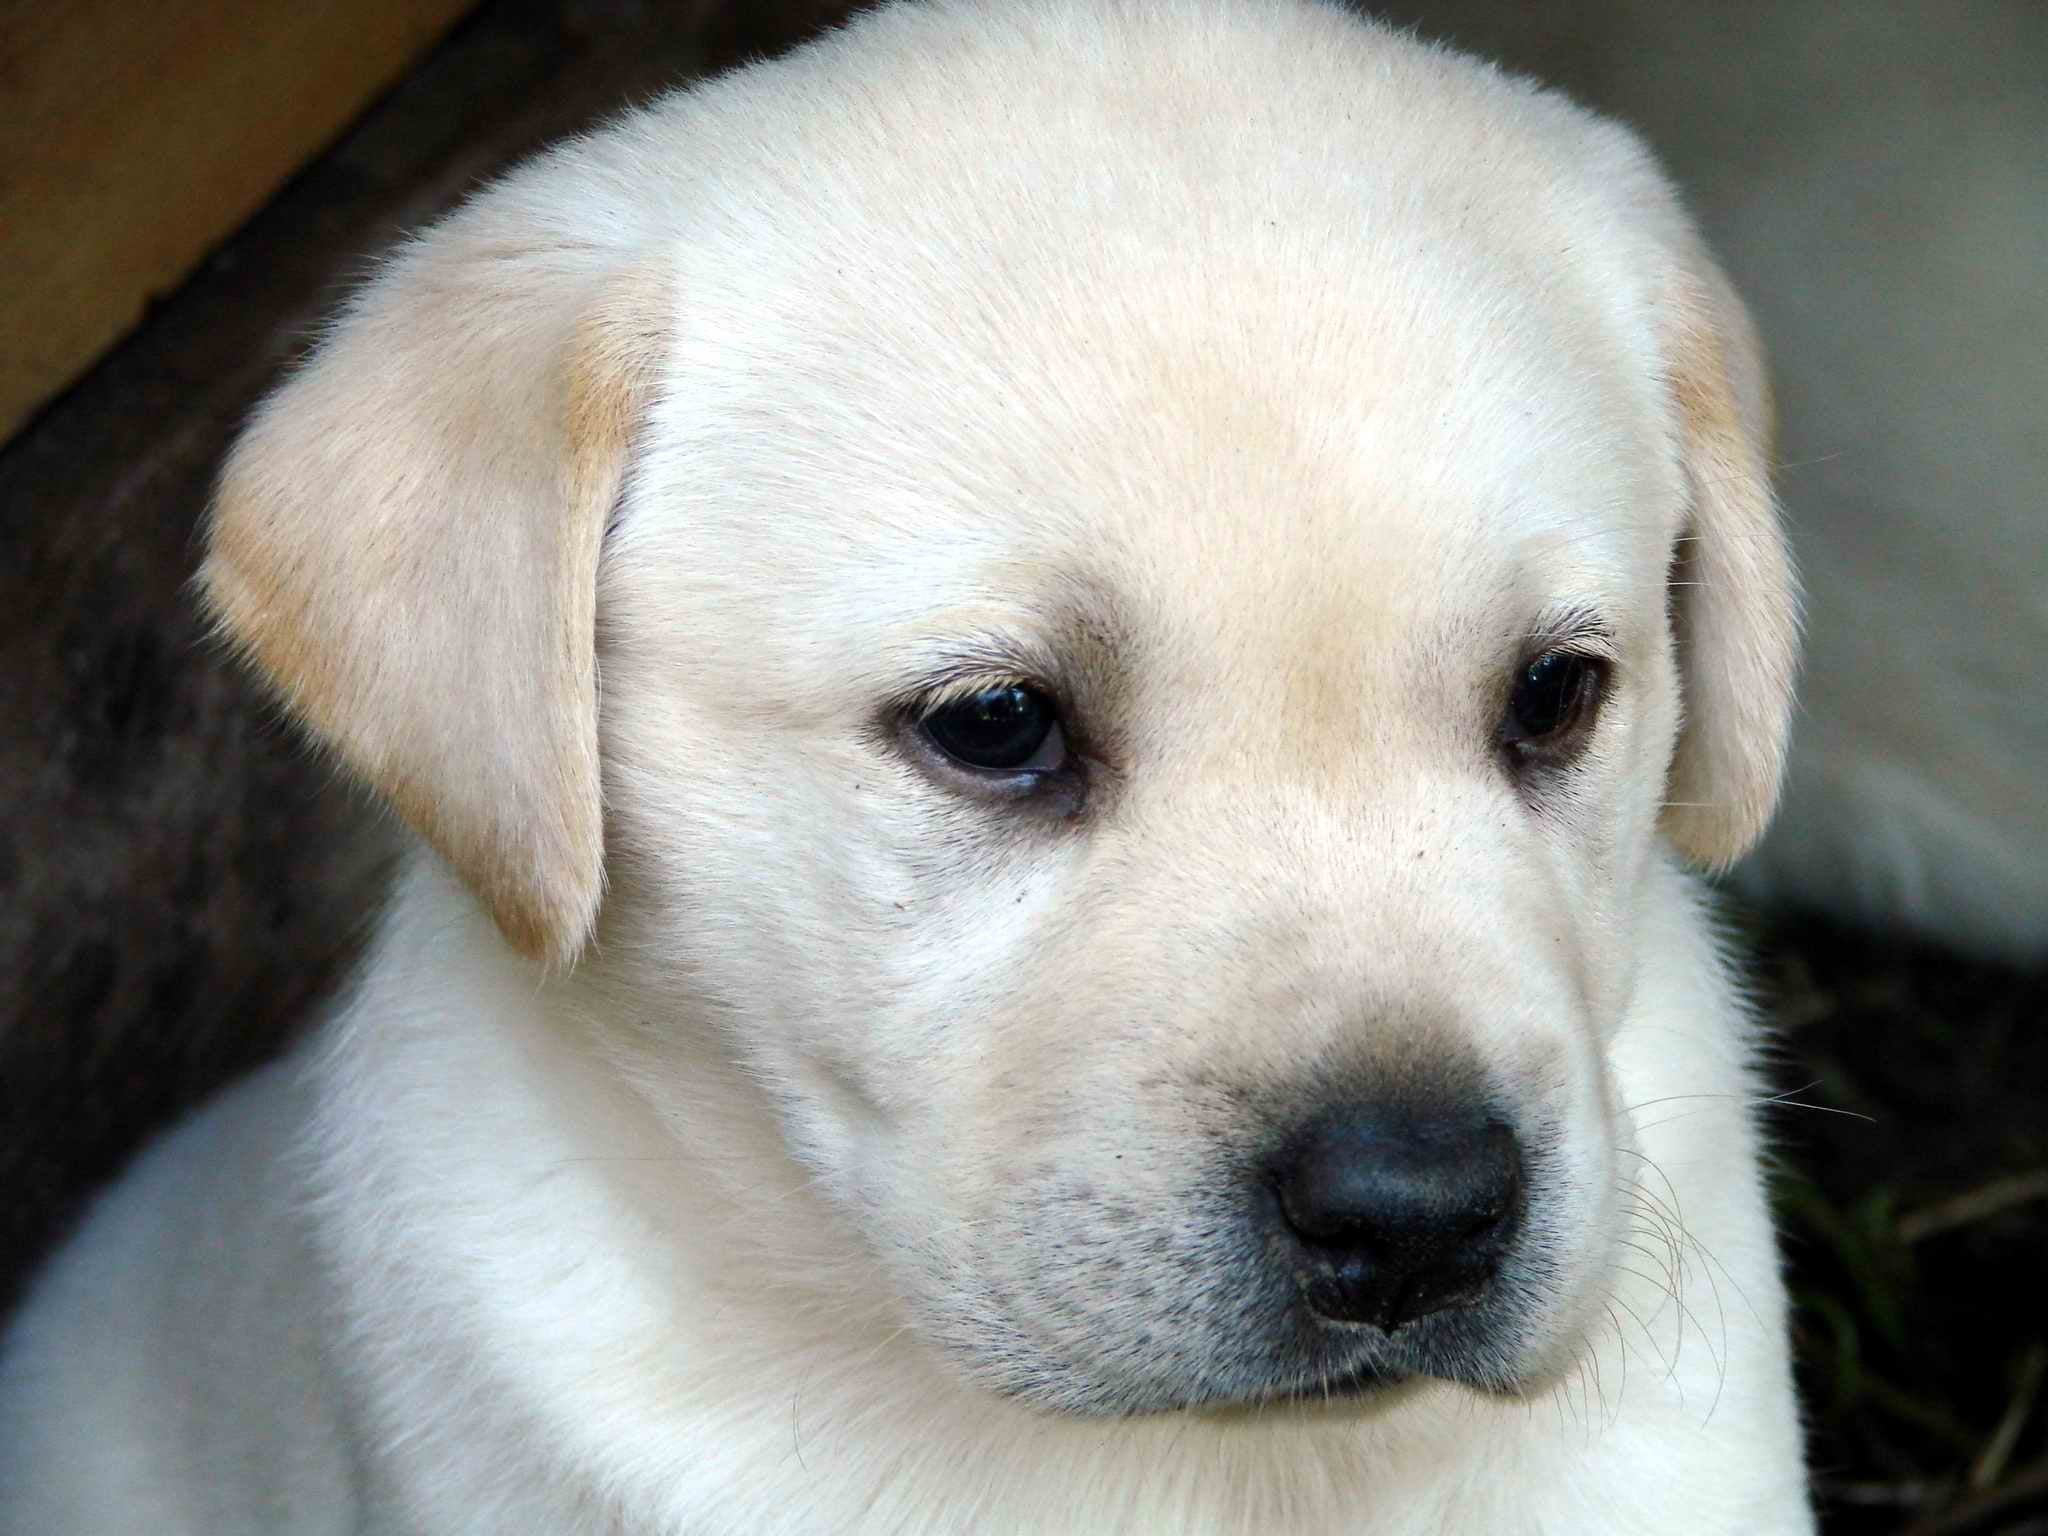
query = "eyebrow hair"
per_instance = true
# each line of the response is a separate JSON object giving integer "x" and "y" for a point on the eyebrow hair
{"x": 1577, "y": 628}
{"x": 1073, "y": 643}
{"x": 956, "y": 665}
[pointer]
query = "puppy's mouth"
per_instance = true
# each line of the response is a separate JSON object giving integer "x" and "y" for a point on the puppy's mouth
{"x": 1326, "y": 1375}
{"x": 1363, "y": 1388}
{"x": 1349, "y": 1386}
{"x": 1400, "y": 1362}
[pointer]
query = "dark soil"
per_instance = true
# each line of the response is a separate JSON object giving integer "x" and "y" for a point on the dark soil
{"x": 1918, "y": 1236}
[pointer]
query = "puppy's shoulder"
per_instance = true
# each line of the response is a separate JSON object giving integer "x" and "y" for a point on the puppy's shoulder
{"x": 184, "y": 1326}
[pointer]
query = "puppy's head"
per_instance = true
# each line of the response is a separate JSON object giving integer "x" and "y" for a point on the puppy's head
{"x": 1160, "y": 583}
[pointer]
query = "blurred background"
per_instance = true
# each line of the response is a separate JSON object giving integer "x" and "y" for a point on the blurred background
{"x": 186, "y": 187}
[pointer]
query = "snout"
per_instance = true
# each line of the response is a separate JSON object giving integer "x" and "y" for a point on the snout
{"x": 1390, "y": 1213}
{"x": 1323, "y": 1237}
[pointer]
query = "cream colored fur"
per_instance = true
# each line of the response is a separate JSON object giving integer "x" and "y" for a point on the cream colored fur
{"x": 744, "y": 1125}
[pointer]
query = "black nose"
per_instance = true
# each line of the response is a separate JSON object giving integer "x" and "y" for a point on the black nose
{"x": 1398, "y": 1213}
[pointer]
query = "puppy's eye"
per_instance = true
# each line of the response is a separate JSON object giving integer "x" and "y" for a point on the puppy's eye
{"x": 1552, "y": 696}
{"x": 1011, "y": 729}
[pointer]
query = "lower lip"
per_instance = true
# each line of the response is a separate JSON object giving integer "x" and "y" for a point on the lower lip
{"x": 1347, "y": 1386}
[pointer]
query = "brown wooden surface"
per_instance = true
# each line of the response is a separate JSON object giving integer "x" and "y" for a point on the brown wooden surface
{"x": 134, "y": 137}
{"x": 180, "y": 881}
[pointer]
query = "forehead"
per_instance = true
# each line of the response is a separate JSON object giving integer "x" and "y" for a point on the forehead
{"x": 1199, "y": 465}
{"x": 1300, "y": 369}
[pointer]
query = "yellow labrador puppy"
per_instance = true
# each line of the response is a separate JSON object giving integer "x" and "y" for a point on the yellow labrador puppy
{"x": 1056, "y": 663}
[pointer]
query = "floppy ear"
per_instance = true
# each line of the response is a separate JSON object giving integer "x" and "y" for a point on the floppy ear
{"x": 405, "y": 543}
{"x": 1734, "y": 600}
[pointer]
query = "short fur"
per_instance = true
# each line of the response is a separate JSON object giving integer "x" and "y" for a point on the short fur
{"x": 748, "y": 1122}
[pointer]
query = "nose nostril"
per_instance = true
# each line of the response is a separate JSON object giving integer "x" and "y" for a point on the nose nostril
{"x": 1397, "y": 1214}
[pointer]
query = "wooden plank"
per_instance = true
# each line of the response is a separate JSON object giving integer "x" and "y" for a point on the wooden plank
{"x": 134, "y": 138}
{"x": 180, "y": 881}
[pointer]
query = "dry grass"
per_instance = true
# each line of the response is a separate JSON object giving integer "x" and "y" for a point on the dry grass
{"x": 1918, "y": 1237}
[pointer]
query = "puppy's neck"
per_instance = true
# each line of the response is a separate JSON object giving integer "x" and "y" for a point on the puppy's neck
{"x": 661, "y": 1307}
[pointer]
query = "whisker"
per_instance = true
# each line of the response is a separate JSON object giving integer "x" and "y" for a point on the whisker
{"x": 1670, "y": 1368}
{"x": 1784, "y": 1100}
{"x": 1825, "y": 458}
{"x": 1685, "y": 1312}
{"x": 1621, "y": 1343}
{"x": 1592, "y": 1358}
{"x": 1710, "y": 1262}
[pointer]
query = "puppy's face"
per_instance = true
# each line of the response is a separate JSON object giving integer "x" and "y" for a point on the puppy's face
{"x": 1073, "y": 806}
{"x": 1140, "y": 695}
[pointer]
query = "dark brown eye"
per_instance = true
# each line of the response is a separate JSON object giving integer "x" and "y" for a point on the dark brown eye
{"x": 1011, "y": 729}
{"x": 1551, "y": 696}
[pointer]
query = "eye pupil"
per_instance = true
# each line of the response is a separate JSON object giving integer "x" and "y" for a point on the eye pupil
{"x": 997, "y": 728}
{"x": 1547, "y": 695}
